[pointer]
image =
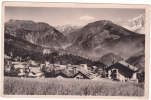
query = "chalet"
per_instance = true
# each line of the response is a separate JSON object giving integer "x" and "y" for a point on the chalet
{"x": 75, "y": 71}
{"x": 69, "y": 67}
{"x": 62, "y": 67}
{"x": 64, "y": 74}
{"x": 76, "y": 68}
{"x": 35, "y": 72}
{"x": 21, "y": 67}
{"x": 122, "y": 71}
{"x": 83, "y": 75}
{"x": 47, "y": 63}
{"x": 33, "y": 63}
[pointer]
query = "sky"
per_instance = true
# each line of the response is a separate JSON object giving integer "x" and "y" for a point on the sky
{"x": 73, "y": 16}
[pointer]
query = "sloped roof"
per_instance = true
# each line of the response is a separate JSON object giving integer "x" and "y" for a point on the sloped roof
{"x": 125, "y": 65}
{"x": 87, "y": 74}
{"x": 35, "y": 69}
{"x": 19, "y": 63}
{"x": 67, "y": 74}
{"x": 35, "y": 75}
{"x": 128, "y": 65}
{"x": 62, "y": 66}
{"x": 19, "y": 66}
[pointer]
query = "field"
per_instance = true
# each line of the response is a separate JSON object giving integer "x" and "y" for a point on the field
{"x": 52, "y": 86}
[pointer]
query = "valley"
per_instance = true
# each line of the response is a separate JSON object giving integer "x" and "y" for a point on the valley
{"x": 93, "y": 41}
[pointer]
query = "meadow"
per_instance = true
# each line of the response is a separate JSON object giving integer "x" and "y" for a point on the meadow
{"x": 52, "y": 86}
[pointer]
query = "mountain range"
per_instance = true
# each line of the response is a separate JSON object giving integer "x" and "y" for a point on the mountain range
{"x": 101, "y": 40}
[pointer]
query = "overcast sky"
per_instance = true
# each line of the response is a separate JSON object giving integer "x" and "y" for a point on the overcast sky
{"x": 73, "y": 16}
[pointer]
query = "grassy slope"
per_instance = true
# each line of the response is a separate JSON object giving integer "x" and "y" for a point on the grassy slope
{"x": 17, "y": 86}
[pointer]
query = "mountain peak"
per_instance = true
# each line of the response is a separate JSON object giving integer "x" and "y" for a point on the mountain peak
{"x": 67, "y": 28}
{"x": 135, "y": 24}
{"x": 100, "y": 22}
{"x": 96, "y": 38}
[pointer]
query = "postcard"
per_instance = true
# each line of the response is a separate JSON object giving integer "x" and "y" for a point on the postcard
{"x": 75, "y": 50}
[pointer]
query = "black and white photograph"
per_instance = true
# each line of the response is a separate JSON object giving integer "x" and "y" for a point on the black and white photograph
{"x": 65, "y": 49}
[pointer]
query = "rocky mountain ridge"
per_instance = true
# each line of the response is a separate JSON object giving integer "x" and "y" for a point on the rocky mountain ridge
{"x": 66, "y": 29}
{"x": 37, "y": 33}
{"x": 136, "y": 24}
{"x": 102, "y": 37}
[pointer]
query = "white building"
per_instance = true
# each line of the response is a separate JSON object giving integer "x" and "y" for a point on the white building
{"x": 46, "y": 51}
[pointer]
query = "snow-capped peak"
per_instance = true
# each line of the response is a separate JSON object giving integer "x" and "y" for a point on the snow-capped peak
{"x": 67, "y": 28}
{"x": 136, "y": 24}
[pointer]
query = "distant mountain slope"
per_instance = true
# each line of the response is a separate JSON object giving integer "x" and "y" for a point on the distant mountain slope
{"x": 140, "y": 30}
{"x": 12, "y": 42}
{"x": 66, "y": 29}
{"x": 102, "y": 28}
{"x": 138, "y": 60}
{"x": 126, "y": 46}
{"x": 101, "y": 37}
{"x": 38, "y": 33}
{"x": 110, "y": 58}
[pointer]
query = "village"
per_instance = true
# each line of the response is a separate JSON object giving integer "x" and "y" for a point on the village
{"x": 118, "y": 71}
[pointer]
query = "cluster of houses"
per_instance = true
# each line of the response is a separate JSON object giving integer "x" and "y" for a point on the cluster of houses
{"x": 120, "y": 71}
{"x": 32, "y": 70}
